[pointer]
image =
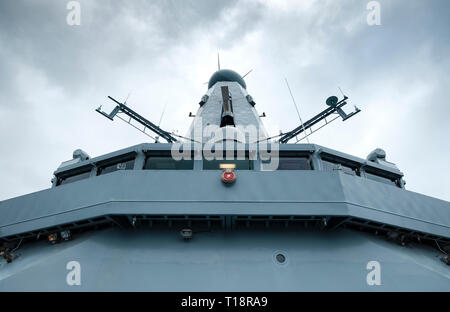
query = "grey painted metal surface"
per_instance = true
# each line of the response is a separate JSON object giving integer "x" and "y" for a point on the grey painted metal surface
{"x": 255, "y": 193}
{"x": 299, "y": 214}
{"x": 210, "y": 113}
{"x": 140, "y": 260}
{"x": 149, "y": 192}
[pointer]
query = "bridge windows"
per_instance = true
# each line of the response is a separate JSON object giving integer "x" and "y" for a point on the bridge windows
{"x": 294, "y": 160}
{"x": 332, "y": 162}
{"x": 328, "y": 165}
{"x": 294, "y": 163}
{"x": 244, "y": 164}
{"x": 164, "y": 161}
{"x": 73, "y": 176}
{"x": 298, "y": 160}
{"x": 120, "y": 162}
{"x": 240, "y": 158}
{"x": 376, "y": 176}
{"x": 126, "y": 164}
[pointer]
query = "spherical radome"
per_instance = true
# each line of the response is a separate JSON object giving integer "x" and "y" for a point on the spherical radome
{"x": 226, "y": 75}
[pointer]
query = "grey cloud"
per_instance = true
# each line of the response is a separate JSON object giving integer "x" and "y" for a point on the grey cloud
{"x": 53, "y": 75}
{"x": 112, "y": 33}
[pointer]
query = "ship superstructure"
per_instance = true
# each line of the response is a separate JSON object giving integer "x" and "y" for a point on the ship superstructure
{"x": 168, "y": 216}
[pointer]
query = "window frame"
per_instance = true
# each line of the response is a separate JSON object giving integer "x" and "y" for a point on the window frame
{"x": 164, "y": 154}
{"x": 83, "y": 170}
{"x": 235, "y": 155}
{"x": 344, "y": 163}
{"x": 108, "y": 164}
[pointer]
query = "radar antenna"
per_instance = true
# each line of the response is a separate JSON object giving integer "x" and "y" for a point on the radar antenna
{"x": 335, "y": 107}
{"x": 122, "y": 108}
{"x": 160, "y": 120}
{"x": 162, "y": 115}
{"x": 247, "y": 73}
{"x": 218, "y": 60}
{"x": 128, "y": 96}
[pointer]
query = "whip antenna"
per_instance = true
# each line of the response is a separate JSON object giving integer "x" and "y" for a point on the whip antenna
{"x": 296, "y": 107}
{"x": 218, "y": 60}
{"x": 247, "y": 73}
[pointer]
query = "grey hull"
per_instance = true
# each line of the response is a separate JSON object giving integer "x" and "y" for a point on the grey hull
{"x": 242, "y": 260}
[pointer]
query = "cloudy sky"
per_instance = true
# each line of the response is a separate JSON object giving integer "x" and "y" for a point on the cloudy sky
{"x": 53, "y": 76}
